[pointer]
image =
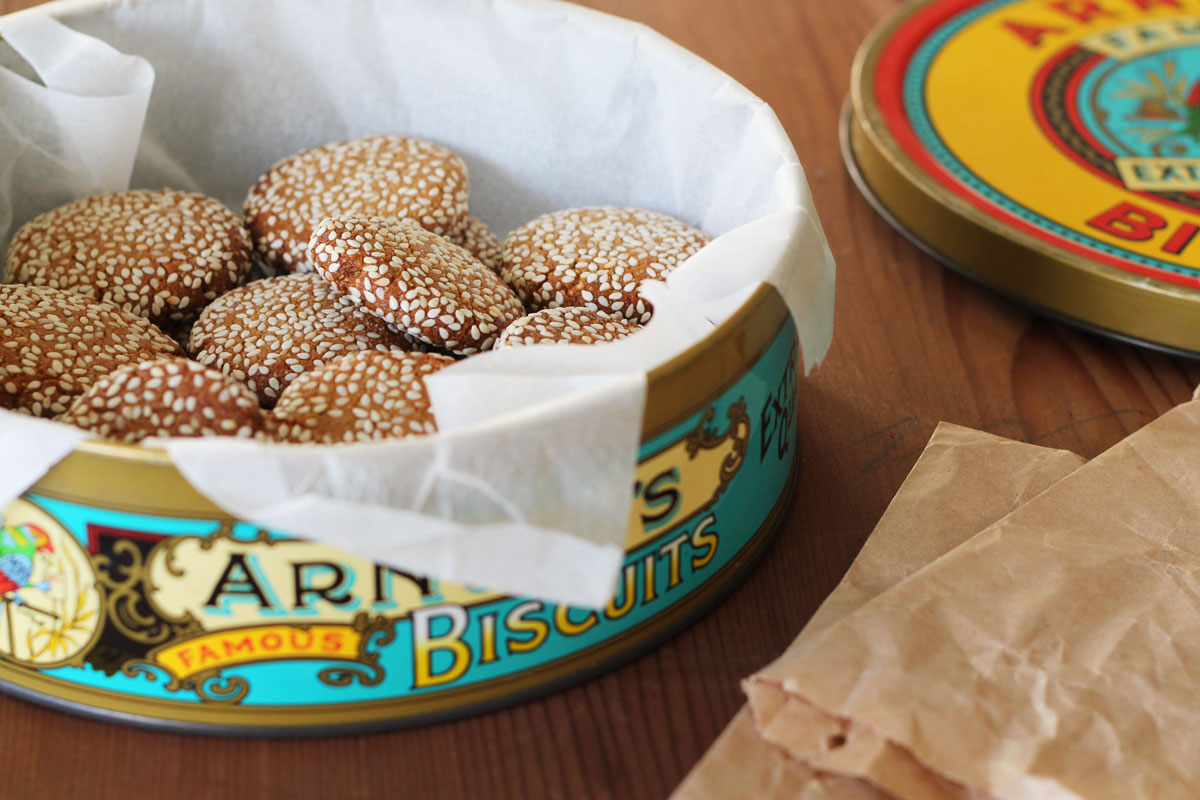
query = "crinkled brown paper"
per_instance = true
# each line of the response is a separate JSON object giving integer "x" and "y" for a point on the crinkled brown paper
{"x": 1056, "y": 654}
{"x": 925, "y": 520}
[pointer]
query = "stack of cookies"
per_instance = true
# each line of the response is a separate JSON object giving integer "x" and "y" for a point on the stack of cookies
{"x": 356, "y": 271}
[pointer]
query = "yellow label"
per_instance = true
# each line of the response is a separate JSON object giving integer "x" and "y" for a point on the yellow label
{"x": 1079, "y": 120}
{"x": 230, "y": 648}
{"x": 1160, "y": 174}
{"x": 687, "y": 477}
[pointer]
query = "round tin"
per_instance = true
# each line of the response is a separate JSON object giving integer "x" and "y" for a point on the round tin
{"x": 149, "y": 605}
{"x": 1048, "y": 149}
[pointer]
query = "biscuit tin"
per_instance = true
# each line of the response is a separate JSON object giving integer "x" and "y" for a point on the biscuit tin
{"x": 1048, "y": 149}
{"x": 147, "y": 604}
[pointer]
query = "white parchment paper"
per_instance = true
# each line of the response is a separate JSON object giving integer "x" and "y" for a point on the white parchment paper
{"x": 527, "y": 488}
{"x": 72, "y": 127}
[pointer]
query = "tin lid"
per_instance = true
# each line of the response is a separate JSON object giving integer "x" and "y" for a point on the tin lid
{"x": 1049, "y": 149}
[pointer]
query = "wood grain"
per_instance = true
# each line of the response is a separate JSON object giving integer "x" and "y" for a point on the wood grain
{"x": 914, "y": 345}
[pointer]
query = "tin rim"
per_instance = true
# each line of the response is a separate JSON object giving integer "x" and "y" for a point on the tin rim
{"x": 847, "y": 122}
{"x": 1051, "y": 280}
{"x": 633, "y": 643}
{"x": 736, "y": 345}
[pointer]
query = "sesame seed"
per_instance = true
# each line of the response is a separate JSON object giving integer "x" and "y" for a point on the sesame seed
{"x": 416, "y": 280}
{"x": 86, "y": 247}
{"x": 574, "y": 325}
{"x": 89, "y": 339}
{"x": 386, "y": 176}
{"x": 365, "y": 396}
{"x": 182, "y": 398}
{"x": 277, "y": 328}
{"x": 474, "y": 236}
{"x": 595, "y": 257}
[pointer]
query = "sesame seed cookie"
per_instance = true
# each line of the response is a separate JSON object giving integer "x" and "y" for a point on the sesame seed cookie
{"x": 363, "y": 397}
{"x": 162, "y": 255}
{"x": 268, "y": 332}
{"x": 378, "y": 176}
{"x": 167, "y": 397}
{"x": 56, "y": 344}
{"x": 476, "y": 238}
{"x": 596, "y": 257}
{"x": 416, "y": 280}
{"x": 566, "y": 325}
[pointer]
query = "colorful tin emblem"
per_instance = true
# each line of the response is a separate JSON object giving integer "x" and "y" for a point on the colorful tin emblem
{"x": 124, "y": 596}
{"x": 1049, "y": 148}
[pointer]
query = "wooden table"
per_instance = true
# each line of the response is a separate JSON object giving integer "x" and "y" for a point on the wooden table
{"x": 914, "y": 345}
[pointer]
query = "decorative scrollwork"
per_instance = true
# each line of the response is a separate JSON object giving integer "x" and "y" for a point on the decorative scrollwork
{"x": 217, "y": 688}
{"x": 378, "y": 631}
{"x": 151, "y": 672}
{"x": 223, "y": 532}
{"x": 124, "y": 576}
{"x": 705, "y": 437}
{"x": 210, "y": 687}
{"x": 345, "y": 675}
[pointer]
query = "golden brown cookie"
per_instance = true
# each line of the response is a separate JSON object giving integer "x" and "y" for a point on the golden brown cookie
{"x": 379, "y": 176}
{"x": 566, "y": 325}
{"x": 268, "y": 332}
{"x": 416, "y": 280}
{"x": 56, "y": 344}
{"x": 363, "y": 397}
{"x": 167, "y": 397}
{"x": 596, "y": 257}
{"x": 162, "y": 255}
{"x": 476, "y": 238}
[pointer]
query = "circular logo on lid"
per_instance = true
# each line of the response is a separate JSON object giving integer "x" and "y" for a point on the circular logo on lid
{"x": 1130, "y": 112}
{"x": 1075, "y": 125}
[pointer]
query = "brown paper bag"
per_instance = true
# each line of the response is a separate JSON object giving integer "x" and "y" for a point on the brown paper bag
{"x": 741, "y": 766}
{"x": 1054, "y": 655}
{"x": 1001, "y": 475}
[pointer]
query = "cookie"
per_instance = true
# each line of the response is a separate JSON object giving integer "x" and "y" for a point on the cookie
{"x": 566, "y": 325}
{"x": 379, "y": 176}
{"x": 416, "y": 280}
{"x": 162, "y": 255}
{"x": 168, "y": 397}
{"x": 268, "y": 332}
{"x": 596, "y": 257}
{"x": 56, "y": 344}
{"x": 476, "y": 238}
{"x": 362, "y": 397}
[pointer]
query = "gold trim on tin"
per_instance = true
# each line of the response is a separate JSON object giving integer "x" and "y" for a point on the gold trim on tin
{"x": 144, "y": 480}
{"x": 1005, "y": 259}
{"x": 417, "y": 705}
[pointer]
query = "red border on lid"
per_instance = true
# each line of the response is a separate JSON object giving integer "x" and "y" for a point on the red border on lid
{"x": 889, "y": 97}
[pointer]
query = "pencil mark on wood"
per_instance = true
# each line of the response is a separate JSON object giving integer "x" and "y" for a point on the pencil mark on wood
{"x": 896, "y": 431}
{"x": 1078, "y": 423}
